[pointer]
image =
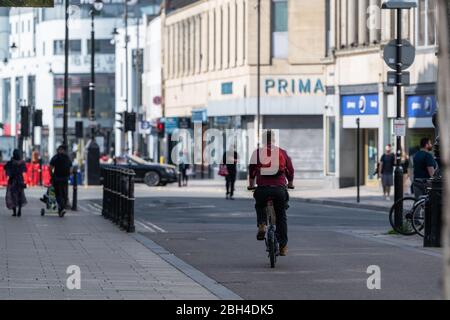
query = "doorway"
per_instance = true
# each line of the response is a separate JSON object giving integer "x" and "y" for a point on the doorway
{"x": 371, "y": 156}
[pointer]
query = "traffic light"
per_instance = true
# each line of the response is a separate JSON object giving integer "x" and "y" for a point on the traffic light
{"x": 160, "y": 128}
{"x": 25, "y": 121}
{"x": 127, "y": 120}
{"x": 130, "y": 121}
{"x": 121, "y": 120}
{"x": 37, "y": 118}
{"x": 79, "y": 130}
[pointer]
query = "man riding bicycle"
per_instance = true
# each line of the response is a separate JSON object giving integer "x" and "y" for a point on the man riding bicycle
{"x": 272, "y": 168}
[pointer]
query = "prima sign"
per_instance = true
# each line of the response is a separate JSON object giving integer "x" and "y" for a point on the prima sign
{"x": 283, "y": 86}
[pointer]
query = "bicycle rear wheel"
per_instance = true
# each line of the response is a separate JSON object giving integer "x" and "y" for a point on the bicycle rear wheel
{"x": 418, "y": 218}
{"x": 407, "y": 209}
{"x": 272, "y": 246}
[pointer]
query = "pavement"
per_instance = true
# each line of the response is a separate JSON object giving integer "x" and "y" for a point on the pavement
{"x": 36, "y": 252}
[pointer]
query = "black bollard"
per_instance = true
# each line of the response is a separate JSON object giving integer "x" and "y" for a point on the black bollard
{"x": 130, "y": 222}
{"x": 75, "y": 189}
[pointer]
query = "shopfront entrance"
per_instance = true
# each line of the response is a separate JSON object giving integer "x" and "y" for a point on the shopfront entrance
{"x": 371, "y": 156}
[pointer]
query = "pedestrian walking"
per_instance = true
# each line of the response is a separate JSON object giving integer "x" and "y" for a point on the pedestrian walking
{"x": 230, "y": 160}
{"x": 15, "y": 191}
{"x": 387, "y": 164}
{"x": 424, "y": 167}
{"x": 405, "y": 163}
{"x": 183, "y": 167}
{"x": 60, "y": 166}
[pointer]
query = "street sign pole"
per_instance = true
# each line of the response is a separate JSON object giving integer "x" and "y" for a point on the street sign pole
{"x": 398, "y": 179}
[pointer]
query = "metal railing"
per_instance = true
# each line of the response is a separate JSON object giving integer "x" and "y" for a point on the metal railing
{"x": 118, "y": 196}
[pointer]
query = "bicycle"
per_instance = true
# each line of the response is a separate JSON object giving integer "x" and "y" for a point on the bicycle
{"x": 413, "y": 215}
{"x": 413, "y": 211}
{"x": 271, "y": 241}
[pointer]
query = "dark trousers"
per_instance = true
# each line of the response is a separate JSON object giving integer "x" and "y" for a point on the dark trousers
{"x": 230, "y": 181}
{"x": 280, "y": 198}
{"x": 183, "y": 178}
{"x": 61, "y": 193}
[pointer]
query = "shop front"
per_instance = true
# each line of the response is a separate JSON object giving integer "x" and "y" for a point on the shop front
{"x": 420, "y": 110}
{"x": 364, "y": 108}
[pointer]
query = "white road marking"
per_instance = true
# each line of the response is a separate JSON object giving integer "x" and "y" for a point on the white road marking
{"x": 157, "y": 228}
{"x": 192, "y": 207}
{"x": 145, "y": 226}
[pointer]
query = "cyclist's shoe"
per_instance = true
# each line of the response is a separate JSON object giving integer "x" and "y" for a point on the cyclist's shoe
{"x": 283, "y": 251}
{"x": 261, "y": 232}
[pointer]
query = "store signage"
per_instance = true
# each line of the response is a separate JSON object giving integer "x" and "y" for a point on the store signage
{"x": 421, "y": 106}
{"x": 103, "y": 62}
{"x": 27, "y": 3}
{"x": 360, "y": 105}
{"x": 199, "y": 116}
{"x": 400, "y": 127}
{"x": 171, "y": 124}
{"x": 284, "y": 86}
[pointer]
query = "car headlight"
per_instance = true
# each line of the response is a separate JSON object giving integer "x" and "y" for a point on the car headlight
{"x": 170, "y": 170}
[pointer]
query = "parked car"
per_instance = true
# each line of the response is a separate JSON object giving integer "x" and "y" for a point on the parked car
{"x": 152, "y": 174}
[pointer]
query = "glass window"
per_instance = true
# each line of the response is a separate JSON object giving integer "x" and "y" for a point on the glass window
{"x": 280, "y": 38}
{"x": 331, "y": 124}
{"x": 79, "y": 103}
{"x": 103, "y": 46}
{"x": 426, "y": 23}
{"x": 58, "y": 47}
{"x": 280, "y": 16}
{"x": 6, "y": 101}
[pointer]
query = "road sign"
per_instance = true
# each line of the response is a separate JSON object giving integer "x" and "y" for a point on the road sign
{"x": 408, "y": 54}
{"x": 400, "y": 127}
{"x": 392, "y": 79}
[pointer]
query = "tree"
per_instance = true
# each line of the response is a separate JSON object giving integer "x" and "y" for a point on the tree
{"x": 444, "y": 115}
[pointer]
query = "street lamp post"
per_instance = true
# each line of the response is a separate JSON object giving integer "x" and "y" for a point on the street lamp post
{"x": 97, "y": 6}
{"x": 399, "y": 6}
{"x": 66, "y": 74}
{"x": 93, "y": 149}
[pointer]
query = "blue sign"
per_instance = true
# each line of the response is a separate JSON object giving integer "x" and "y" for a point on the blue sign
{"x": 227, "y": 88}
{"x": 171, "y": 124}
{"x": 421, "y": 106}
{"x": 199, "y": 116}
{"x": 360, "y": 105}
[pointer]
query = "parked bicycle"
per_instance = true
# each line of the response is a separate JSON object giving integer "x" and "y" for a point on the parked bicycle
{"x": 413, "y": 212}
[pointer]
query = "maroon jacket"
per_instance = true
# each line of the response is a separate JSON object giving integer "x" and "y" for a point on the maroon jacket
{"x": 271, "y": 180}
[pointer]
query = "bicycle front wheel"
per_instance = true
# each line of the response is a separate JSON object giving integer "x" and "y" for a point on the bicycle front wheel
{"x": 406, "y": 206}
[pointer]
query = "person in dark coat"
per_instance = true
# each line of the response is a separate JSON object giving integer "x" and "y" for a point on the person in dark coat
{"x": 60, "y": 165}
{"x": 230, "y": 159}
{"x": 15, "y": 194}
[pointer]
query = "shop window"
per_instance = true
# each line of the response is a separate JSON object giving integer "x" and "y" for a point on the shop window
{"x": 331, "y": 145}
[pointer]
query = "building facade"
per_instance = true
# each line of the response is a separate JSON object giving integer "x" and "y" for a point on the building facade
{"x": 356, "y": 80}
{"x": 210, "y": 73}
{"x": 34, "y": 73}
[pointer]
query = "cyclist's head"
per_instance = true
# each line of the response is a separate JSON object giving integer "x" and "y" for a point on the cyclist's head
{"x": 269, "y": 138}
